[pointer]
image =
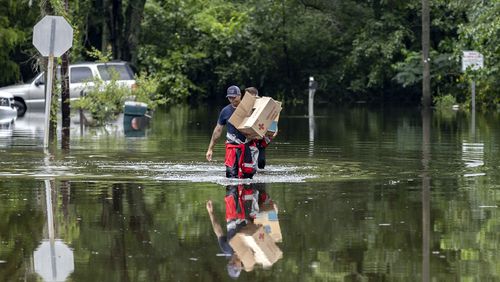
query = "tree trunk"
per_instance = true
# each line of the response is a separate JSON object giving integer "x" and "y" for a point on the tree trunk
{"x": 116, "y": 28}
{"x": 65, "y": 107}
{"x": 133, "y": 15}
{"x": 426, "y": 81}
{"x": 106, "y": 27}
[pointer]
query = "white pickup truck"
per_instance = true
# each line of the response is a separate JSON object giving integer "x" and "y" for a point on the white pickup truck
{"x": 32, "y": 94}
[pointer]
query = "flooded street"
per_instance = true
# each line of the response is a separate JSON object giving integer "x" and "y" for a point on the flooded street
{"x": 363, "y": 194}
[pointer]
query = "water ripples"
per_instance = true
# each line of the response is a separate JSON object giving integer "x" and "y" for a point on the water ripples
{"x": 153, "y": 171}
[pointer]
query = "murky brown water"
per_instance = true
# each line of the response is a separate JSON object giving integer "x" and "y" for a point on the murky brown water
{"x": 362, "y": 195}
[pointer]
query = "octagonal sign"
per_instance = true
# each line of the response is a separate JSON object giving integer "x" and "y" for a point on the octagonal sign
{"x": 53, "y": 260}
{"x": 52, "y": 35}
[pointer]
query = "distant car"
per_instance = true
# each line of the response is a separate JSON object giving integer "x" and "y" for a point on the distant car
{"x": 31, "y": 94}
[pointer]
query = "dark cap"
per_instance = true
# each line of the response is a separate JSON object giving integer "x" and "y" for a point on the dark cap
{"x": 233, "y": 91}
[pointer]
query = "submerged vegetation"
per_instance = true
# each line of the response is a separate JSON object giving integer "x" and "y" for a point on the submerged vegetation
{"x": 104, "y": 100}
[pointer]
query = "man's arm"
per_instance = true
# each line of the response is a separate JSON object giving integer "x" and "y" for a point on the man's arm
{"x": 275, "y": 133}
{"x": 215, "y": 224}
{"x": 215, "y": 136}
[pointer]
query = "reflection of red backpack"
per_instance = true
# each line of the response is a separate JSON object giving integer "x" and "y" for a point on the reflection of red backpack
{"x": 264, "y": 198}
{"x": 250, "y": 197}
{"x": 234, "y": 204}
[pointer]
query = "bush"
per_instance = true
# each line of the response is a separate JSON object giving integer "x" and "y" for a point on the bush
{"x": 445, "y": 102}
{"x": 147, "y": 91}
{"x": 105, "y": 100}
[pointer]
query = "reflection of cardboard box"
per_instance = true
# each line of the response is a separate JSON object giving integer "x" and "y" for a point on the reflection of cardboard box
{"x": 268, "y": 218}
{"x": 254, "y": 246}
{"x": 254, "y": 115}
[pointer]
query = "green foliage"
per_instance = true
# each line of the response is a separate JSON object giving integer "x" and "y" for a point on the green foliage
{"x": 104, "y": 100}
{"x": 444, "y": 102}
{"x": 169, "y": 71}
{"x": 9, "y": 38}
{"x": 409, "y": 71}
{"x": 147, "y": 92}
{"x": 482, "y": 33}
{"x": 98, "y": 55}
{"x": 378, "y": 42}
{"x": 16, "y": 22}
{"x": 354, "y": 49}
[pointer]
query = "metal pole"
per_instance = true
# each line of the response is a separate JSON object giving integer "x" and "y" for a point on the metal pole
{"x": 312, "y": 90}
{"x": 312, "y": 126}
{"x": 473, "y": 86}
{"x": 48, "y": 202}
{"x": 48, "y": 100}
{"x": 82, "y": 117}
{"x": 48, "y": 94}
{"x": 50, "y": 224}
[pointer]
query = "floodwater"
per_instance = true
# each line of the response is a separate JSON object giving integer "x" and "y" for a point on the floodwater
{"x": 363, "y": 194}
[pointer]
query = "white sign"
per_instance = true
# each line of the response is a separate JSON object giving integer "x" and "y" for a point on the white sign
{"x": 52, "y": 35}
{"x": 54, "y": 260}
{"x": 472, "y": 59}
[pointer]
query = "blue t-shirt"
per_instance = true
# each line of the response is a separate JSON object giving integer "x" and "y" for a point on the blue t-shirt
{"x": 224, "y": 245}
{"x": 233, "y": 135}
{"x": 224, "y": 240}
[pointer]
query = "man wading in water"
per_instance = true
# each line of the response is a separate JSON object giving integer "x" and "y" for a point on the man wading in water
{"x": 241, "y": 153}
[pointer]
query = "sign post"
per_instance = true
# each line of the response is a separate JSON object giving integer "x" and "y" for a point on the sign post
{"x": 52, "y": 36}
{"x": 53, "y": 259}
{"x": 313, "y": 85}
{"x": 473, "y": 60}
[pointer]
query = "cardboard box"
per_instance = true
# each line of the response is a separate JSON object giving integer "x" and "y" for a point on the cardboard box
{"x": 254, "y": 115}
{"x": 254, "y": 246}
{"x": 268, "y": 218}
{"x": 273, "y": 128}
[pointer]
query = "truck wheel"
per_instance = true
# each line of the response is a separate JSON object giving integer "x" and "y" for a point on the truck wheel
{"x": 20, "y": 107}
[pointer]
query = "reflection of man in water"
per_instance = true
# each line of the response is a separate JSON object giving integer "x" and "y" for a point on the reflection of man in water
{"x": 235, "y": 220}
{"x": 242, "y": 205}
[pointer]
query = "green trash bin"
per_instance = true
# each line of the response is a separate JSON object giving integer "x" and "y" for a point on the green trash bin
{"x": 135, "y": 108}
{"x": 135, "y": 119}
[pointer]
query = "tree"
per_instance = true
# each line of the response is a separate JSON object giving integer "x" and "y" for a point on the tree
{"x": 426, "y": 82}
{"x": 16, "y": 22}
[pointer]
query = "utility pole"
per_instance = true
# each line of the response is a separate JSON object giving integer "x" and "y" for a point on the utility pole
{"x": 426, "y": 80}
{"x": 65, "y": 107}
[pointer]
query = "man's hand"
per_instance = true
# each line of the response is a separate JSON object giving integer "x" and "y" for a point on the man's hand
{"x": 209, "y": 155}
{"x": 215, "y": 224}
{"x": 215, "y": 136}
{"x": 210, "y": 207}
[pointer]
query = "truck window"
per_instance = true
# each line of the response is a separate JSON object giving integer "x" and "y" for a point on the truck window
{"x": 123, "y": 72}
{"x": 80, "y": 74}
